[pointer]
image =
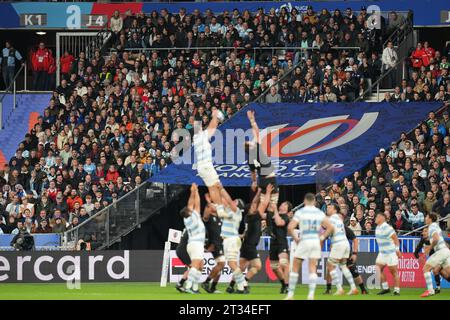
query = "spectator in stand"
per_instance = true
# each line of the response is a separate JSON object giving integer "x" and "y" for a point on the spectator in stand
{"x": 116, "y": 25}
{"x": 41, "y": 61}
{"x": 390, "y": 59}
{"x": 355, "y": 226}
{"x": 66, "y": 64}
{"x": 8, "y": 59}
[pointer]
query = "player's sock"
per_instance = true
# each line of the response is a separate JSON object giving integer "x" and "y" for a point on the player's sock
{"x": 437, "y": 279}
{"x": 335, "y": 279}
{"x": 385, "y": 286}
{"x": 293, "y": 279}
{"x": 191, "y": 278}
{"x": 348, "y": 275}
{"x": 429, "y": 281}
{"x": 182, "y": 281}
{"x": 397, "y": 289}
{"x": 328, "y": 285}
{"x": 362, "y": 286}
{"x": 213, "y": 286}
{"x": 195, "y": 284}
{"x": 232, "y": 283}
{"x": 312, "y": 284}
{"x": 239, "y": 278}
{"x": 208, "y": 280}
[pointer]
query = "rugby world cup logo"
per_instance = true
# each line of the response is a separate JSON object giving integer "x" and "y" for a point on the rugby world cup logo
{"x": 317, "y": 135}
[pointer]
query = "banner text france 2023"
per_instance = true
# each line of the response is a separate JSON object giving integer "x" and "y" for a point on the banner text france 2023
{"x": 308, "y": 143}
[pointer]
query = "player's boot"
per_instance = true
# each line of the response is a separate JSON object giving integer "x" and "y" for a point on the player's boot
{"x": 364, "y": 291}
{"x": 205, "y": 286}
{"x": 384, "y": 291}
{"x": 289, "y": 296}
{"x": 241, "y": 291}
{"x": 437, "y": 290}
{"x": 230, "y": 289}
{"x": 284, "y": 290}
{"x": 396, "y": 293}
{"x": 427, "y": 293}
{"x": 180, "y": 288}
{"x": 192, "y": 291}
{"x": 247, "y": 290}
{"x": 339, "y": 292}
{"x": 353, "y": 292}
{"x": 327, "y": 291}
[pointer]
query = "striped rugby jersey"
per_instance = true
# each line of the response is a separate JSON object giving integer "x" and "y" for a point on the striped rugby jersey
{"x": 310, "y": 220}
{"x": 383, "y": 234}
{"x": 432, "y": 229}
{"x": 339, "y": 229}
{"x": 230, "y": 223}
{"x": 202, "y": 147}
{"x": 195, "y": 227}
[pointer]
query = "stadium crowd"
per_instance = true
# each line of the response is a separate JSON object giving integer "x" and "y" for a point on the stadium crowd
{"x": 108, "y": 126}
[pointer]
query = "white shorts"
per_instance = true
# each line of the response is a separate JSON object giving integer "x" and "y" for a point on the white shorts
{"x": 439, "y": 258}
{"x": 273, "y": 198}
{"x": 231, "y": 248}
{"x": 340, "y": 250}
{"x": 195, "y": 250}
{"x": 308, "y": 249}
{"x": 208, "y": 173}
{"x": 390, "y": 259}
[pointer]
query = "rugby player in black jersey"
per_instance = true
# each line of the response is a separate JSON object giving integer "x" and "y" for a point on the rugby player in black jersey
{"x": 214, "y": 244}
{"x": 183, "y": 255}
{"x": 351, "y": 261}
{"x": 277, "y": 222}
{"x": 249, "y": 256}
{"x": 261, "y": 167}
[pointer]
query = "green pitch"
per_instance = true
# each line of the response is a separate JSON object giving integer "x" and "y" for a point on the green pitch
{"x": 152, "y": 291}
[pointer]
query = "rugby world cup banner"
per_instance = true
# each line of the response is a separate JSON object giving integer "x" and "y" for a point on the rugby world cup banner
{"x": 307, "y": 143}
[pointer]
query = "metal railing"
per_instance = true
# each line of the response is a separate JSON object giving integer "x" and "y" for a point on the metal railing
{"x": 12, "y": 89}
{"x": 76, "y": 42}
{"x": 447, "y": 217}
{"x": 385, "y": 73}
{"x": 123, "y": 215}
{"x": 280, "y": 51}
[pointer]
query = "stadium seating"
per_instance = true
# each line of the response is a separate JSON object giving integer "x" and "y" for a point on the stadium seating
{"x": 151, "y": 90}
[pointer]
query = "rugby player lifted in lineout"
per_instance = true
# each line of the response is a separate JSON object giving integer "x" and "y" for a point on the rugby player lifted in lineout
{"x": 205, "y": 168}
{"x": 263, "y": 172}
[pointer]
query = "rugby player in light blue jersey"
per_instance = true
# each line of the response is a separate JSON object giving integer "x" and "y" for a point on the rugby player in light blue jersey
{"x": 195, "y": 247}
{"x": 339, "y": 253}
{"x": 440, "y": 259}
{"x": 388, "y": 253}
{"x": 309, "y": 219}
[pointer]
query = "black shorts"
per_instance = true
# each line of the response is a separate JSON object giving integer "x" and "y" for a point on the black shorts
{"x": 218, "y": 249}
{"x": 276, "y": 248}
{"x": 249, "y": 252}
{"x": 183, "y": 255}
{"x": 263, "y": 182}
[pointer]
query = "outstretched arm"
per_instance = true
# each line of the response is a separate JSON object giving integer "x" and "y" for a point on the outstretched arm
{"x": 227, "y": 199}
{"x": 197, "y": 206}
{"x": 255, "y": 129}
{"x": 264, "y": 204}
{"x": 192, "y": 197}
{"x": 212, "y": 126}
